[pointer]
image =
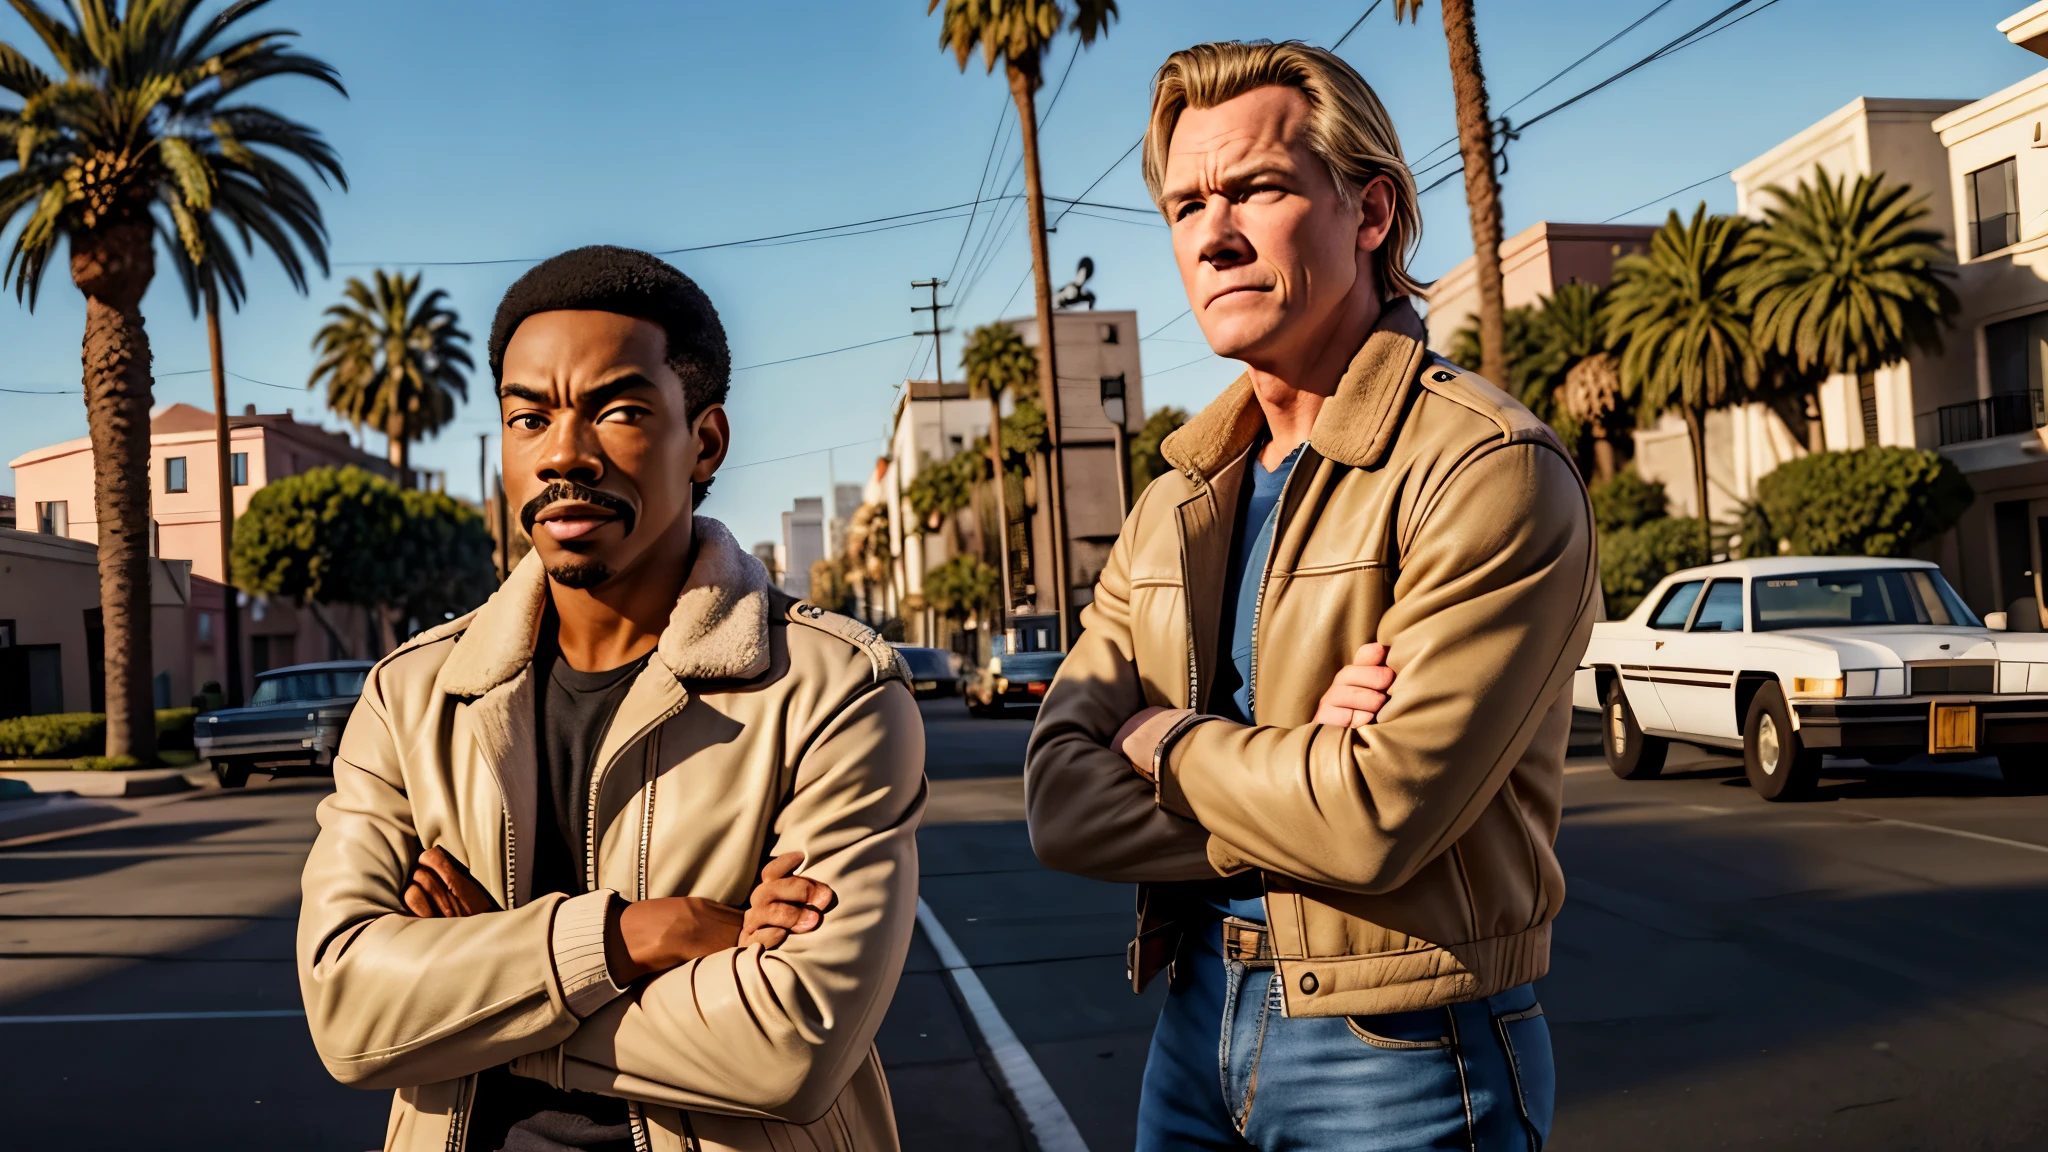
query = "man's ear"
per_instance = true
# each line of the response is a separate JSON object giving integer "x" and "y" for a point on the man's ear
{"x": 1377, "y": 216}
{"x": 714, "y": 438}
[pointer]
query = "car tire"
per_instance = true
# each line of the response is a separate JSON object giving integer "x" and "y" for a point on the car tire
{"x": 2025, "y": 771}
{"x": 1630, "y": 754}
{"x": 1778, "y": 765}
{"x": 231, "y": 773}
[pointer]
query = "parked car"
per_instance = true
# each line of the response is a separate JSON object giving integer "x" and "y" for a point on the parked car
{"x": 1013, "y": 679}
{"x": 1791, "y": 659}
{"x": 933, "y": 671}
{"x": 294, "y": 717}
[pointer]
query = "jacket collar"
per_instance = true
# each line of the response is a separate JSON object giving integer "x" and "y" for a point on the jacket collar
{"x": 1356, "y": 425}
{"x": 718, "y": 631}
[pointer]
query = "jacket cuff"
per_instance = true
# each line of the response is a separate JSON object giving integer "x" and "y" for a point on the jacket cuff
{"x": 578, "y": 943}
{"x": 1166, "y": 789}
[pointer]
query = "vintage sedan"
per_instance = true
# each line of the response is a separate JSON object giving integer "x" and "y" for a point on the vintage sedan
{"x": 294, "y": 717}
{"x": 1790, "y": 659}
{"x": 1012, "y": 680}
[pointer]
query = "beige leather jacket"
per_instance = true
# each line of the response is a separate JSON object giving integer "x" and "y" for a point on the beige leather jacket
{"x": 761, "y": 726}
{"x": 1407, "y": 864}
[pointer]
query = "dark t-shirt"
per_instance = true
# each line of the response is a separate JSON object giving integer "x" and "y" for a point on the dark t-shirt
{"x": 574, "y": 711}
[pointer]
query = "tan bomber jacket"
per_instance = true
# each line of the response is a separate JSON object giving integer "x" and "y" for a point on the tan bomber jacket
{"x": 1407, "y": 864}
{"x": 761, "y": 726}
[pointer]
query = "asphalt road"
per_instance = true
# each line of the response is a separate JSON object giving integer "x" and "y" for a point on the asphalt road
{"x": 1862, "y": 971}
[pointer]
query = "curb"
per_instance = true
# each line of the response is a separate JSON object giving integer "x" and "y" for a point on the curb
{"x": 59, "y": 812}
{"x": 105, "y": 785}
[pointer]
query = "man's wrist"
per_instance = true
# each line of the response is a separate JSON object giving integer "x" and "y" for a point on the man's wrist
{"x": 580, "y": 940}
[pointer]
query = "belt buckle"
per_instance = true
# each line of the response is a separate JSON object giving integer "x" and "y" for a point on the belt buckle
{"x": 1247, "y": 942}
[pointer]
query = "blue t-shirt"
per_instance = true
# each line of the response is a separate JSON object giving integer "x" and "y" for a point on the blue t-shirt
{"x": 1232, "y": 698}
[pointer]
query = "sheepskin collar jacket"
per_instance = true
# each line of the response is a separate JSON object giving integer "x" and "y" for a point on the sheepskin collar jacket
{"x": 1407, "y": 864}
{"x": 762, "y": 725}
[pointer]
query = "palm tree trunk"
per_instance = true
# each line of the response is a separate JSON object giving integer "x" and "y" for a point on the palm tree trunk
{"x": 1603, "y": 456}
{"x": 231, "y": 615}
{"x": 1022, "y": 84}
{"x": 395, "y": 447}
{"x": 995, "y": 459}
{"x": 1696, "y": 433}
{"x": 1482, "y": 187}
{"x": 112, "y": 265}
{"x": 1816, "y": 429}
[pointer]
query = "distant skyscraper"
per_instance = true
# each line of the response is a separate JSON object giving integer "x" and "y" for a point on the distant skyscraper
{"x": 846, "y": 500}
{"x": 803, "y": 542}
{"x": 768, "y": 553}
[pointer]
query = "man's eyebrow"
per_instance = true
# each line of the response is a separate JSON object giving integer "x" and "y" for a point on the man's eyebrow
{"x": 602, "y": 394}
{"x": 524, "y": 392}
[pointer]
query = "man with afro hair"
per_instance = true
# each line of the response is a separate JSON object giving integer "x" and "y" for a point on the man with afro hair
{"x": 625, "y": 859}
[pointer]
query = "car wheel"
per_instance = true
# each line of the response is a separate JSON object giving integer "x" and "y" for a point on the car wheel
{"x": 1779, "y": 767}
{"x": 231, "y": 773}
{"x": 1630, "y": 754}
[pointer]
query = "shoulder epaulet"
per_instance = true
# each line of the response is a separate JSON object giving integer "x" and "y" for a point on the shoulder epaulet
{"x": 888, "y": 662}
{"x": 1484, "y": 397}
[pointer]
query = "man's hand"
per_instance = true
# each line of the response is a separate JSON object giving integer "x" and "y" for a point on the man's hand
{"x": 650, "y": 936}
{"x": 1358, "y": 691}
{"x": 1139, "y": 738}
{"x": 441, "y": 886}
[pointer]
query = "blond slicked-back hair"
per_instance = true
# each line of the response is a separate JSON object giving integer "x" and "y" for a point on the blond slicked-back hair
{"x": 1348, "y": 128}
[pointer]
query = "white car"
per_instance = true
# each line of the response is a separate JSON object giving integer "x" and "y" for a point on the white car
{"x": 1790, "y": 659}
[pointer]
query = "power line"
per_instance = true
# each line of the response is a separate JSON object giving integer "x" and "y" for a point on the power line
{"x": 1354, "y": 25}
{"x": 1662, "y": 5}
{"x": 1666, "y": 196}
{"x": 1170, "y": 323}
{"x": 797, "y": 455}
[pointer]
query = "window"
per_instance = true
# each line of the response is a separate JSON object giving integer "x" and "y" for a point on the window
{"x": 1866, "y": 597}
{"x": 174, "y": 473}
{"x": 238, "y": 469}
{"x": 53, "y": 517}
{"x": 205, "y": 627}
{"x": 1677, "y": 606}
{"x": 1721, "y": 611}
{"x": 1994, "y": 207}
{"x": 1108, "y": 333}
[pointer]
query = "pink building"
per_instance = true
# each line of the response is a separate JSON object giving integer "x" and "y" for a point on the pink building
{"x": 1534, "y": 263}
{"x": 54, "y": 496}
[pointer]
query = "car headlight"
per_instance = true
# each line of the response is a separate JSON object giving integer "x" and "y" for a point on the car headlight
{"x": 1828, "y": 687}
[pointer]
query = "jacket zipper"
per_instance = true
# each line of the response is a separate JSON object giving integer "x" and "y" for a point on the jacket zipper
{"x": 1251, "y": 682}
{"x": 458, "y": 1123}
{"x": 643, "y": 1140}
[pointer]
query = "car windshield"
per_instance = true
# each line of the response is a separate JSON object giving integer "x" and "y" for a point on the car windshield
{"x": 1871, "y": 596}
{"x": 927, "y": 663}
{"x": 322, "y": 685}
{"x": 1031, "y": 665}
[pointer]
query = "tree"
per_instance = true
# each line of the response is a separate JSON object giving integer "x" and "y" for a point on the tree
{"x": 142, "y": 137}
{"x": 1017, "y": 33}
{"x": 868, "y": 555}
{"x": 1482, "y": 184}
{"x": 1626, "y": 501}
{"x": 445, "y": 553}
{"x": 1879, "y": 501}
{"x": 324, "y": 536}
{"x": 830, "y": 587}
{"x": 961, "y": 588}
{"x": 997, "y": 360}
{"x": 1677, "y": 312}
{"x": 1522, "y": 328}
{"x": 940, "y": 490}
{"x": 1843, "y": 281}
{"x": 1632, "y": 560}
{"x": 392, "y": 363}
{"x": 1148, "y": 463}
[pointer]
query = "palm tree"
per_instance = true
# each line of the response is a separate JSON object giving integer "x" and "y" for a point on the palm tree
{"x": 1017, "y": 32}
{"x": 1482, "y": 184}
{"x": 1581, "y": 375}
{"x": 997, "y": 360}
{"x": 392, "y": 361}
{"x": 1843, "y": 281}
{"x": 1678, "y": 313}
{"x": 142, "y": 137}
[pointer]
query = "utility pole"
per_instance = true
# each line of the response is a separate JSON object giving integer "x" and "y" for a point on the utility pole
{"x": 1000, "y": 622}
{"x": 483, "y": 488}
{"x": 504, "y": 533}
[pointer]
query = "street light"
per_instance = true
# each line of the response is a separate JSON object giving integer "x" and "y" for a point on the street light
{"x": 1113, "y": 407}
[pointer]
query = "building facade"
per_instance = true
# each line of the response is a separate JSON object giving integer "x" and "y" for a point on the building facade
{"x": 1534, "y": 263}
{"x": 50, "y": 634}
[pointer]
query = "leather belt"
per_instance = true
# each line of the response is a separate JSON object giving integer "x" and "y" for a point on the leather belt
{"x": 1247, "y": 942}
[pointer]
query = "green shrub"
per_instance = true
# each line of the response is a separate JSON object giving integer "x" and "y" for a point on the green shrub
{"x": 107, "y": 763}
{"x": 60, "y": 735}
{"x": 1870, "y": 502}
{"x": 1626, "y": 500}
{"x": 1632, "y": 560}
{"x": 53, "y": 736}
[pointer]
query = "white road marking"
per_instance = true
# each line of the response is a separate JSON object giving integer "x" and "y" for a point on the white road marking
{"x": 1870, "y": 819}
{"x": 121, "y": 1017}
{"x": 1051, "y": 1128}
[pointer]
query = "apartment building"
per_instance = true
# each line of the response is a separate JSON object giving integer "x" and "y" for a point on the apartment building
{"x": 51, "y": 640}
{"x": 1534, "y": 263}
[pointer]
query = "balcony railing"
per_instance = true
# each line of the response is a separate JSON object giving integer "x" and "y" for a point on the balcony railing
{"x": 1999, "y": 415}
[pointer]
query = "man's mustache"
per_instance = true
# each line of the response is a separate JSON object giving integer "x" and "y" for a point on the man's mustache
{"x": 559, "y": 491}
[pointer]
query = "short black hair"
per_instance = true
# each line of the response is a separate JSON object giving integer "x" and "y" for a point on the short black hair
{"x": 604, "y": 278}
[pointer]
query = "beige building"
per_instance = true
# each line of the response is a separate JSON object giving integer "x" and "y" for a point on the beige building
{"x": 50, "y": 635}
{"x": 934, "y": 423}
{"x": 1534, "y": 263}
{"x": 54, "y": 497}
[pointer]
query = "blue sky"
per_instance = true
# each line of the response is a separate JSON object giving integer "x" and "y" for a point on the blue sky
{"x": 513, "y": 129}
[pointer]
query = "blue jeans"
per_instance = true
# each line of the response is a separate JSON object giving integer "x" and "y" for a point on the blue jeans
{"x": 1228, "y": 1071}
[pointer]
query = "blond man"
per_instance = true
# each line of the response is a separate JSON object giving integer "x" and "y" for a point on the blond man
{"x": 1319, "y": 708}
